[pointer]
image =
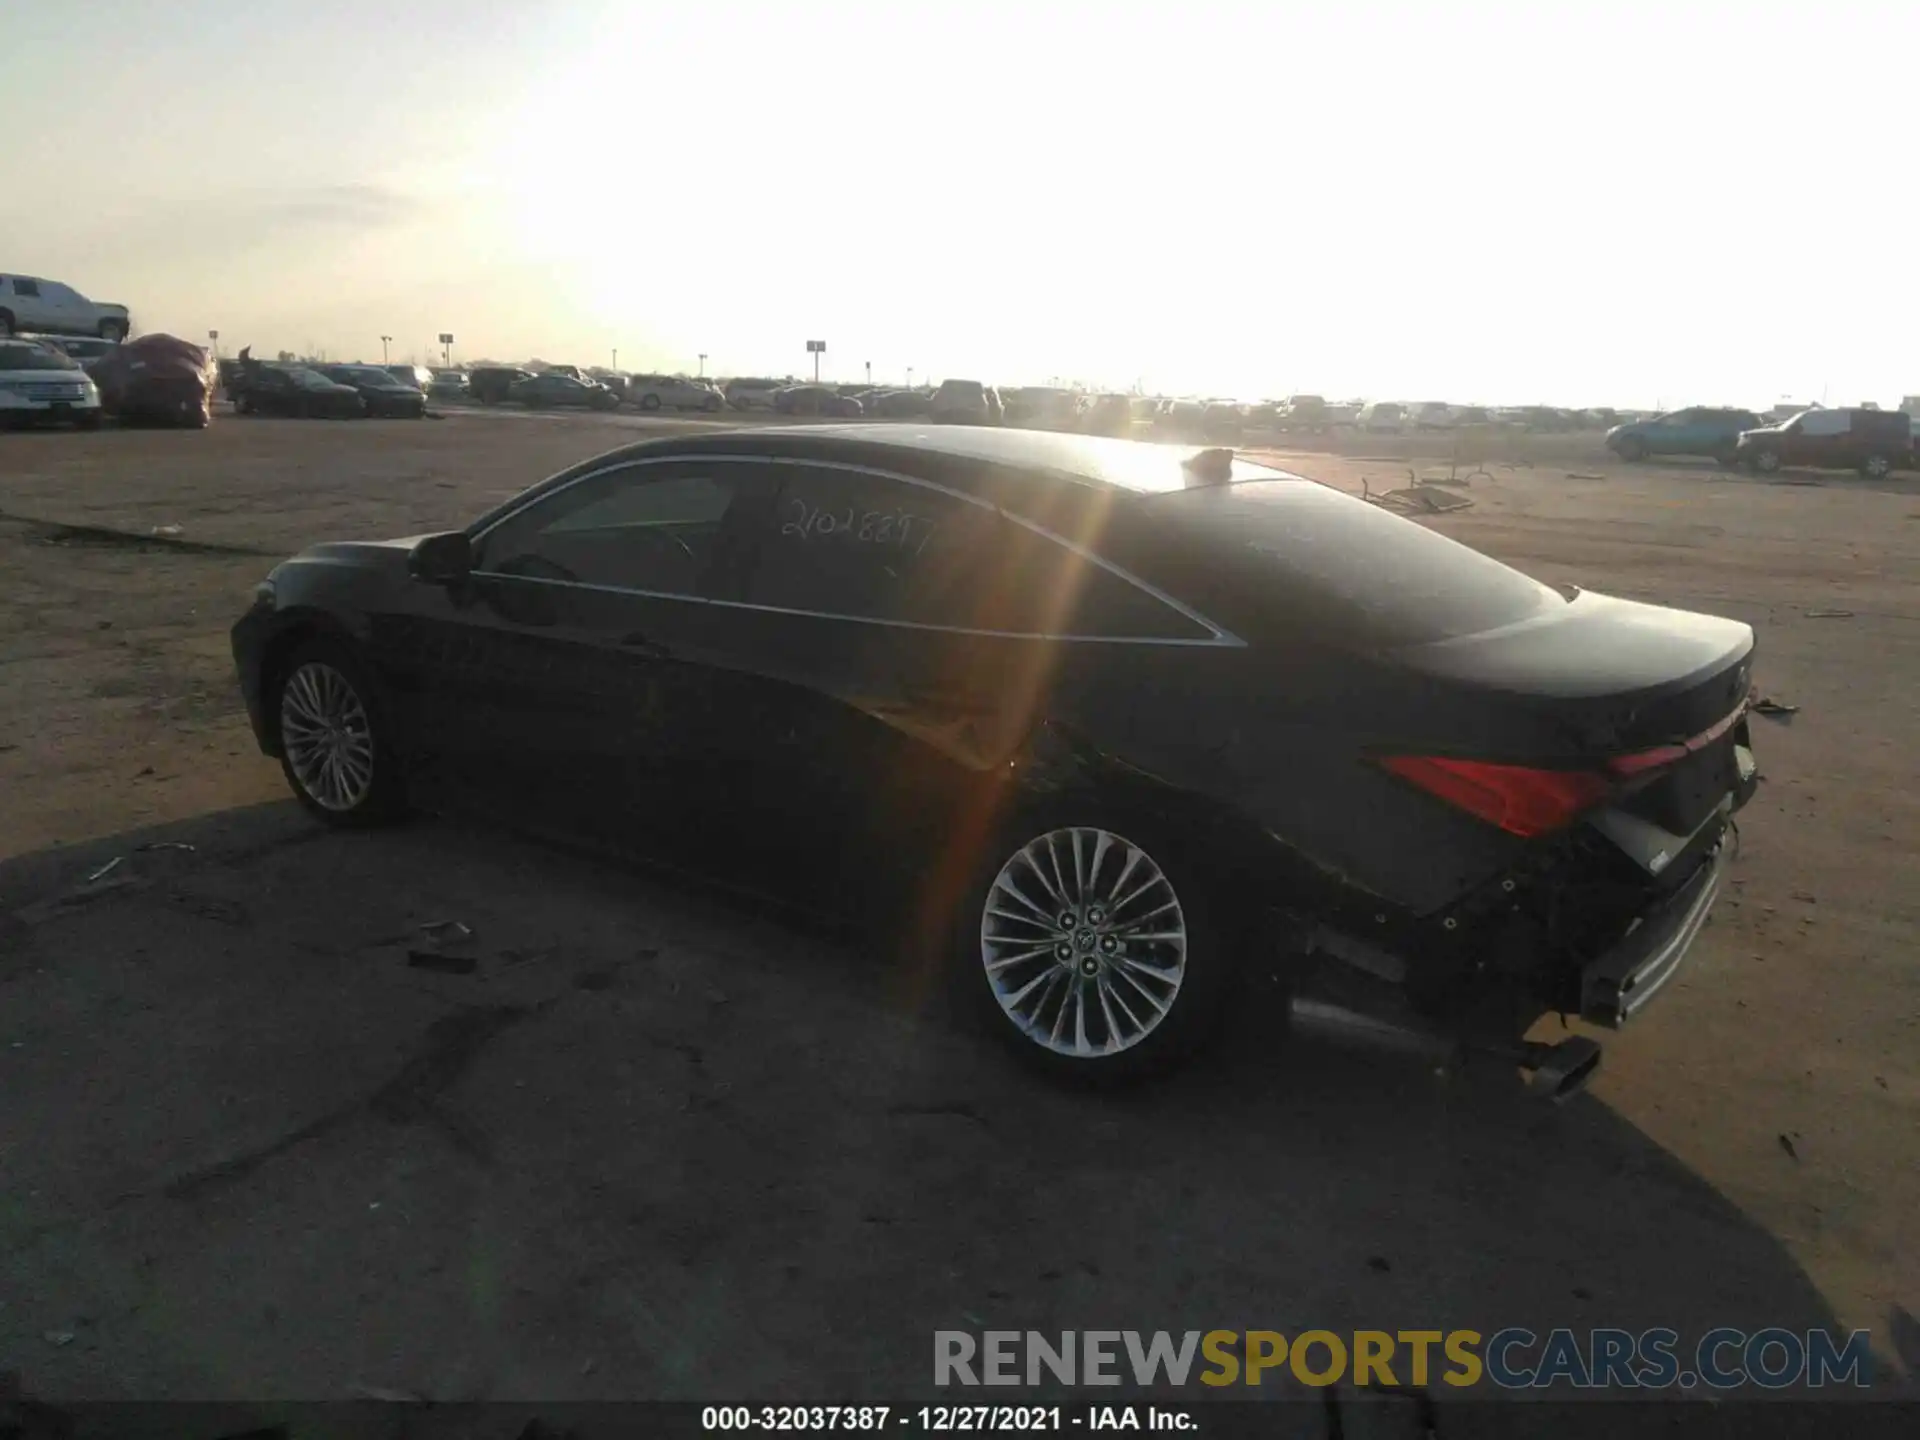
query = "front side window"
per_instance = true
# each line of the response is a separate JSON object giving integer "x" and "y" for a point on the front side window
{"x": 652, "y": 528}
{"x": 866, "y": 547}
{"x": 1825, "y": 422}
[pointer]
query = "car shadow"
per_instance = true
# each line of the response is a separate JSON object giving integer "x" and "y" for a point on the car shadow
{"x": 655, "y": 1143}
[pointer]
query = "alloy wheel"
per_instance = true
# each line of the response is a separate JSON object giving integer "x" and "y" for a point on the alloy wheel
{"x": 1084, "y": 942}
{"x": 328, "y": 736}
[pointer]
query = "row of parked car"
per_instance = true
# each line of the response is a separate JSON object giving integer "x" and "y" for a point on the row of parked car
{"x": 1875, "y": 442}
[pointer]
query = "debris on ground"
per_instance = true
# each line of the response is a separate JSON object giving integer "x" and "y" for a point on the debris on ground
{"x": 105, "y": 870}
{"x": 1829, "y": 614}
{"x": 1583, "y": 475}
{"x": 1786, "y": 1144}
{"x": 57, "y": 1337}
{"x": 441, "y": 961}
{"x": 167, "y": 845}
{"x": 1776, "y": 708}
{"x": 165, "y": 530}
{"x": 1421, "y": 498}
{"x": 446, "y": 932}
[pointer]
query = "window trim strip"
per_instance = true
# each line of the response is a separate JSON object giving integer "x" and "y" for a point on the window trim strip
{"x": 1217, "y": 636}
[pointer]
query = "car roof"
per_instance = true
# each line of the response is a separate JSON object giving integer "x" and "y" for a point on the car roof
{"x": 1128, "y": 466}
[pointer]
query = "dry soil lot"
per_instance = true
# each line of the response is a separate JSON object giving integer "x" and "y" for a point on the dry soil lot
{"x": 656, "y": 1145}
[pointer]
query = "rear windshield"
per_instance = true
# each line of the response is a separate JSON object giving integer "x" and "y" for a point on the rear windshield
{"x": 1336, "y": 563}
{"x": 32, "y": 357}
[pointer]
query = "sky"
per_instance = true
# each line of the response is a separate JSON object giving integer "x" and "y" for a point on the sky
{"x": 1475, "y": 201}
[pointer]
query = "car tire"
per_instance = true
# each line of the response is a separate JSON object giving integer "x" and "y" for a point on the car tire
{"x": 711, "y": 403}
{"x": 335, "y": 740}
{"x": 1767, "y": 462}
{"x": 1071, "y": 999}
{"x": 1632, "y": 450}
{"x": 649, "y": 402}
{"x": 88, "y": 421}
{"x": 1876, "y": 467}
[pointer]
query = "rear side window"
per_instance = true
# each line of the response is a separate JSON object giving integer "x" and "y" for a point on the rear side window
{"x": 856, "y": 546}
{"x": 1306, "y": 556}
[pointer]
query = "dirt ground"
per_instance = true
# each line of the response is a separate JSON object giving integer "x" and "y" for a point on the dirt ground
{"x": 655, "y": 1145}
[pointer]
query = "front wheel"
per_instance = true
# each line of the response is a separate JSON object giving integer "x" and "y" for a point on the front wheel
{"x": 1633, "y": 451}
{"x": 1090, "y": 947}
{"x": 89, "y": 420}
{"x": 1766, "y": 461}
{"x": 649, "y": 402}
{"x": 336, "y": 748}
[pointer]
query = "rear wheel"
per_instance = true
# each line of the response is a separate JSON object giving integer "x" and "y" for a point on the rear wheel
{"x": 1766, "y": 461}
{"x": 336, "y": 748}
{"x": 1090, "y": 947}
{"x": 1876, "y": 467}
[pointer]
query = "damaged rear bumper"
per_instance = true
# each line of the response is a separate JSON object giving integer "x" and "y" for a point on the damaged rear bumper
{"x": 1614, "y": 987}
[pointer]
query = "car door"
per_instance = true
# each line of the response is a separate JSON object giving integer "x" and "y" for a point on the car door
{"x": 569, "y": 679}
{"x": 899, "y": 640}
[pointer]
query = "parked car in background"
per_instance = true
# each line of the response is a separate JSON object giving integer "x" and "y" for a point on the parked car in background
{"x": 1548, "y": 779}
{"x": 39, "y": 384}
{"x": 895, "y": 404}
{"x": 562, "y": 391}
{"x": 1699, "y": 430}
{"x": 752, "y": 393}
{"x": 83, "y": 350}
{"x": 448, "y": 384}
{"x": 967, "y": 402}
{"x": 1472, "y": 415}
{"x": 572, "y": 372}
{"x": 418, "y": 376}
{"x": 294, "y": 390}
{"x": 1224, "y": 421}
{"x": 1109, "y": 415}
{"x": 1041, "y": 407}
{"x": 157, "y": 379}
{"x": 816, "y": 400}
{"x": 1874, "y": 442}
{"x": 1304, "y": 412}
{"x": 386, "y": 397}
{"x": 46, "y": 307}
{"x": 491, "y": 384}
{"x": 673, "y": 392}
{"x": 1433, "y": 415}
{"x": 1382, "y": 417}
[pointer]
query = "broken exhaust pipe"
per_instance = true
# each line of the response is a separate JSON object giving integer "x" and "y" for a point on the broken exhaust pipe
{"x": 1558, "y": 1072}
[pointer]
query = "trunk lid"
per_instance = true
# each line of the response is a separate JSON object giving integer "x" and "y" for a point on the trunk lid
{"x": 1606, "y": 676}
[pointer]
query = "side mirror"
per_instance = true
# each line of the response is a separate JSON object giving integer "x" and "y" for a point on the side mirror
{"x": 442, "y": 559}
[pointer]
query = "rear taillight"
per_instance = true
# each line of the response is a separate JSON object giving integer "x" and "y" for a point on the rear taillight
{"x": 1519, "y": 799}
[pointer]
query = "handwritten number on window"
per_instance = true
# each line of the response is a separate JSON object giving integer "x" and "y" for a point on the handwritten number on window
{"x": 893, "y": 528}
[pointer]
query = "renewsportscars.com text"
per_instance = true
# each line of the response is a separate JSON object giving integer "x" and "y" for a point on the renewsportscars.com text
{"x": 1512, "y": 1359}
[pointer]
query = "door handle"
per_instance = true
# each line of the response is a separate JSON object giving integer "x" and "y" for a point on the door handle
{"x": 636, "y": 643}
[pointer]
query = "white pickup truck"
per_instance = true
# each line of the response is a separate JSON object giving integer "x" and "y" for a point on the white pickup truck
{"x": 30, "y": 305}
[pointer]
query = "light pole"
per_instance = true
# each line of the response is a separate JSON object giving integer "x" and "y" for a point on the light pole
{"x": 385, "y": 340}
{"x": 616, "y": 357}
{"x": 214, "y": 337}
{"x": 703, "y": 365}
{"x": 909, "y": 377}
{"x": 869, "y": 372}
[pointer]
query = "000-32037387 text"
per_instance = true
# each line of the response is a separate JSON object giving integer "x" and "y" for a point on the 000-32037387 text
{"x": 935, "y": 1419}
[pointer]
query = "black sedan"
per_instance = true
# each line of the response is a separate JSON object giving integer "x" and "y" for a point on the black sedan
{"x": 385, "y": 394}
{"x": 549, "y": 389}
{"x": 293, "y": 390}
{"x": 1089, "y": 723}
